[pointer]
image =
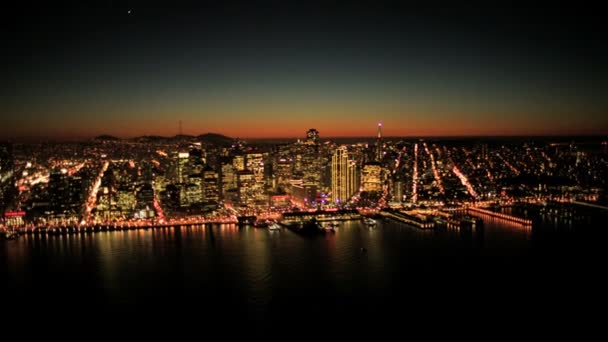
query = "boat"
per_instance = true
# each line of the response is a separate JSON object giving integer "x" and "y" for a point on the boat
{"x": 274, "y": 226}
{"x": 308, "y": 228}
{"x": 261, "y": 224}
{"x": 370, "y": 222}
{"x": 328, "y": 227}
{"x": 11, "y": 235}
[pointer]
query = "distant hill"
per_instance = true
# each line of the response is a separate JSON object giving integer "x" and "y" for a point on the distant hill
{"x": 215, "y": 139}
{"x": 209, "y": 138}
{"x": 106, "y": 137}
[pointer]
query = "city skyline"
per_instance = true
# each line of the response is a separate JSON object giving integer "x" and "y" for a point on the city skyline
{"x": 269, "y": 70}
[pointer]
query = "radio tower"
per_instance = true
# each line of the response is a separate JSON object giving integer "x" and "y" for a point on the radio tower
{"x": 379, "y": 143}
{"x": 180, "y": 127}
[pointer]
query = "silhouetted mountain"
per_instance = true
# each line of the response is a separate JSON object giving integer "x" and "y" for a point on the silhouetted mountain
{"x": 215, "y": 139}
{"x": 106, "y": 137}
{"x": 150, "y": 138}
{"x": 209, "y": 138}
{"x": 183, "y": 137}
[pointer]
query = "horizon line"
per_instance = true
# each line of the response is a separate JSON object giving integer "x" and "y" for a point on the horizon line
{"x": 87, "y": 138}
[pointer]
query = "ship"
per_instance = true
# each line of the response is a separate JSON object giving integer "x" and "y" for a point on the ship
{"x": 11, "y": 235}
{"x": 370, "y": 222}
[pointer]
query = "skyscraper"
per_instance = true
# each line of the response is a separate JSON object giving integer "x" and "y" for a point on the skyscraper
{"x": 371, "y": 177}
{"x": 379, "y": 152}
{"x": 58, "y": 190}
{"x": 211, "y": 191}
{"x": 312, "y": 137}
{"x": 343, "y": 176}
{"x": 182, "y": 167}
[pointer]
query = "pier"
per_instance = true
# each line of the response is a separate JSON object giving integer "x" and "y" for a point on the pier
{"x": 419, "y": 221}
{"x": 511, "y": 218}
{"x": 103, "y": 227}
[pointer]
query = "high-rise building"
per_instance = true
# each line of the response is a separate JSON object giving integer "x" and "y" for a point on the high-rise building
{"x": 246, "y": 186}
{"x": 211, "y": 191}
{"x": 229, "y": 181}
{"x": 126, "y": 200}
{"x": 371, "y": 179}
{"x": 344, "y": 177}
{"x": 145, "y": 196}
{"x": 195, "y": 159}
{"x": 182, "y": 167}
{"x": 192, "y": 191}
{"x": 484, "y": 151}
{"x": 312, "y": 137}
{"x": 239, "y": 162}
{"x": 145, "y": 201}
{"x": 379, "y": 151}
{"x": 58, "y": 190}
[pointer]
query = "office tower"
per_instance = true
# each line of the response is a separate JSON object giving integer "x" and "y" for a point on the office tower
{"x": 239, "y": 162}
{"x": 379, "y": 152}
{"x": 126, "y": 199}
{"x": 312, "y": 137}
{"x": 344, "y": 176}
{"x": 397, "y": 190}
{"x": 484, "y": 151}
{"x": 192, "y": 191}
{"x": 182, "y": 167}
{"x": 145, "y": 196}
{"x": 211, "y": 191}
{"x": 58, "y": 190}
{"x": 228, "y": 177}
{"x": 195, "y": 159}
{"x": 371, "y": 177}
{"x": 246, "y": 186}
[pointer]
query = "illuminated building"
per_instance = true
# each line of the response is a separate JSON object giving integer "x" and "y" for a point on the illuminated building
{"x": 229, "y": 179}
{"x": 239, "y": 162}
{"x": 371, "y": 177}
{"x": 312, "y": 137}
{"x": 283, "y": 172}
{"x": 192, "y": 192}
{"x": 195, "y": 159}
{"x": 58, "y": 190}
{"x": 246, "y": 185}
{"x": 211, "y": 191}
{"x": 397, "y": 189}
{"x": 379, "y": 152}
{"x": 182, "y": 167}
{"x": 145, "y": 201}
{"x": 484, "y": 151}
{"x": 172, "y": 197}
{"x": 145, "y": 196}
{"x": 304, "y": 194}
{"x": 255, "y": 164}
{"x": 344, "y": 178}
{"x": 76, "y": 192}
{"x": 126, "y": 200}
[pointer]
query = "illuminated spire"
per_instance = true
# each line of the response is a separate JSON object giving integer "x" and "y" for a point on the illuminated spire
{"x": 379, "y": 143}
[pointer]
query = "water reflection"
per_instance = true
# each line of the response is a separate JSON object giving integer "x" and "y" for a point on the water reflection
{"x": 257, "y": 272}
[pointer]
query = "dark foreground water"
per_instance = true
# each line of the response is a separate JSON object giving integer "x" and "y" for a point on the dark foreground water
{"x": 265, "y": 278}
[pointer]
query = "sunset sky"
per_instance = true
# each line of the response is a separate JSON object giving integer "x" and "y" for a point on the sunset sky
{"x": 274, "y": 70}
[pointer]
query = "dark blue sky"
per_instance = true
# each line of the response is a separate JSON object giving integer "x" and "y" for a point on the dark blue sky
{"x": 257, "y": 69}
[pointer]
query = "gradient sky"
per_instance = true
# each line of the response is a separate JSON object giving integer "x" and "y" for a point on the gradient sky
{"x": 268, "y": 69}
